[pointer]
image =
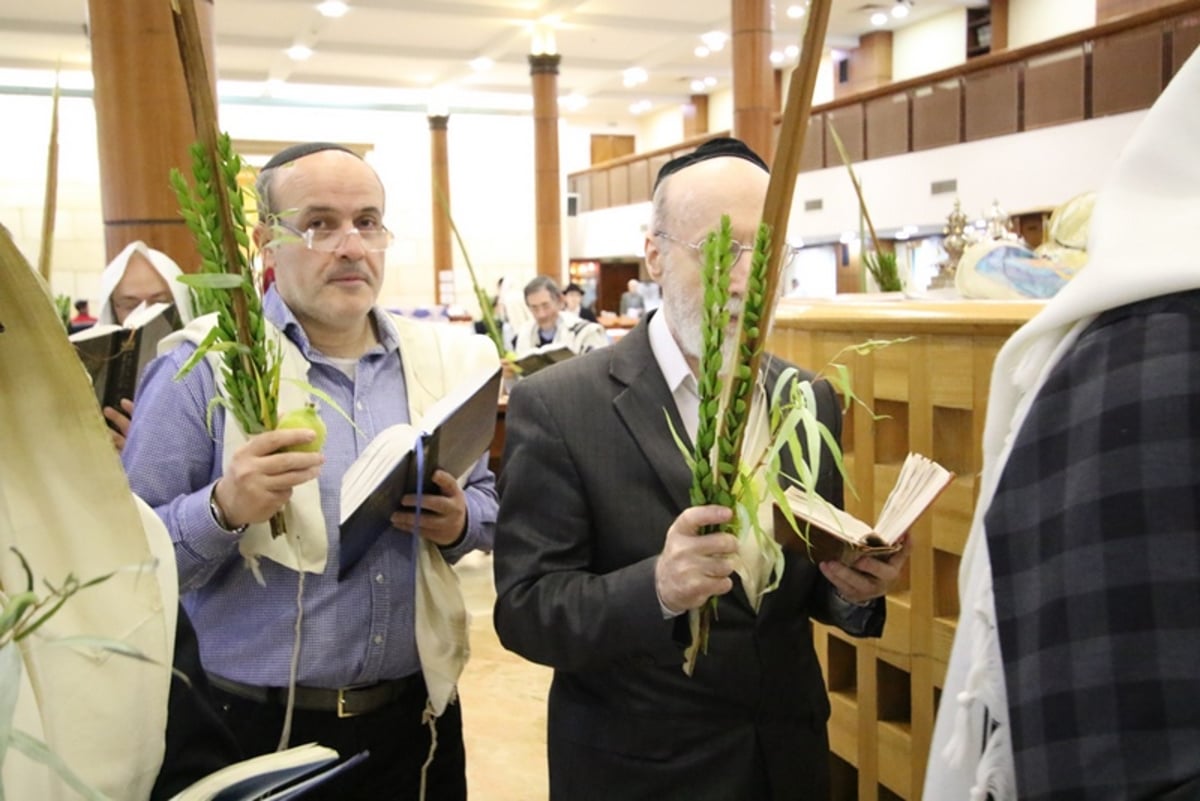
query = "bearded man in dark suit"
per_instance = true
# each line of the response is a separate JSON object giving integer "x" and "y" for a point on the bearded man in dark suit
{"x": 598, "y": 557}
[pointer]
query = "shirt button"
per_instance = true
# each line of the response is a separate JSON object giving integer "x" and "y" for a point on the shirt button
{"x": 359, "y": 406}
{"x": 377, "y": 639}
{"x": 378, "y": 578}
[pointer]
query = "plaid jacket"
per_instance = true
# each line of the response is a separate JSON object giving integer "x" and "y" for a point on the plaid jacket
{"x": 1094, "y": 538}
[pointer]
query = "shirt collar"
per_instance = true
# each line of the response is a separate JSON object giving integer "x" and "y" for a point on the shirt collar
{"x": 668, "y": 355}
{"x": 279, "y": 315}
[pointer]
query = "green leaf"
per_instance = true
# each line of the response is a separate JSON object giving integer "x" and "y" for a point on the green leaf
{"x": 212, "y": 280}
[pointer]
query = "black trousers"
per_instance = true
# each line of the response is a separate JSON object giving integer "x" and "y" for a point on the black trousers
{"x": 394, "y": 734}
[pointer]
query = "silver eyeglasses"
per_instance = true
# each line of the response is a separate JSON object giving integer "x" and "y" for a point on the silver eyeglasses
{"x": 328, "y": 240}
{"x": 736, "y": 248}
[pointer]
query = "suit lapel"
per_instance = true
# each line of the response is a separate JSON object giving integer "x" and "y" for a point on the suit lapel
{"x": 643, "y": 406}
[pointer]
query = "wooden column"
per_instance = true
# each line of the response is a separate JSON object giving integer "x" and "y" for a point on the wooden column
{"x": 143, "y": 122}
{"x": 543, "y": 67}
{"x": 754, "y": 106}
{"x": 695, "y": 116}
{"x": 439, "y": 168}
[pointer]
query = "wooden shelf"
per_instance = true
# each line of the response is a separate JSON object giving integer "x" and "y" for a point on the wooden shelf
{"x": 933, "y": 389}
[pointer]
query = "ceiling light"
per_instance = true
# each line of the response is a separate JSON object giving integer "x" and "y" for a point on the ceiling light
{"x": 698, "y": 86}
{"x": 299, "y": 52}
{"x": 795, "y": 12}
{"x": 901, "y": 9}
{"x": 333, "y": 8}
{"x": 701, "y": 51}
{"x": 776, "y": 57}
{"x": 634, "y": 76}
{"x": 714, "y": 40}
{"x": 481, "y": 64}
{"x": 879, "y": 18}
{"x": 710, "y": 81}
{"x": 543, "y": 41}
{"x": 792, "y": 51}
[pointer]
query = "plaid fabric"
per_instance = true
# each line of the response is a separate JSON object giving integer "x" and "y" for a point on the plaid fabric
{"x": 1094, "y": 538}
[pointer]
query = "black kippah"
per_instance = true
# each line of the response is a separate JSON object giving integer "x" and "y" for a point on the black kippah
{"x": 290, "y": 154}
{"x": 721, "y": 147}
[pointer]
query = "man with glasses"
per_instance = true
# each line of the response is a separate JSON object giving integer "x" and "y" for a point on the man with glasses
{"x": 552, "y": 326}
{"x": 360, "y": 682}
{"x": 598, "y": 558}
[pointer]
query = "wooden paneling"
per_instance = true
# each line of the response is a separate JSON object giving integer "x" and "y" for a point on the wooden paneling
{"x": 1185, "y": 38}
{"x": 639, "y": 181}
{"x": 933, "y": 391}
{"x": 1126, "y": 71}
{"x": 606, "y": 147}
{"x": 991, "y": 102}
{"x": 618, "y": 185}
{"x": 599, "y": 193}
{"x": 1054, "y": 90}
{"x": 1107, "y": 10}
{"x": 848, "y": 122}
{"x": 887, "y": 126}
{"x": 937, "y": 112}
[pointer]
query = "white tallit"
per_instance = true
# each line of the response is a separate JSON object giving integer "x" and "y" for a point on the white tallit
{"x": 435, "y": 359}
{"x": 1138, "y": 250}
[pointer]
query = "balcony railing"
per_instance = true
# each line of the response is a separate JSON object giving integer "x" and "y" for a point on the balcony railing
{"x": 1119, "y": 66}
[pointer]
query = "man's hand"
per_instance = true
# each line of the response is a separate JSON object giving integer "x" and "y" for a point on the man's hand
{"x": 693, "y": 566}
{"x": 869, "y": 577}
{"x": 119, "y": 419}
{"x": 260, "y": 479}
{"x": 443, "y": 517}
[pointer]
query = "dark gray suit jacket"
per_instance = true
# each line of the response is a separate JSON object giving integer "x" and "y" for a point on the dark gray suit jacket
{"x": 591, "y": 482}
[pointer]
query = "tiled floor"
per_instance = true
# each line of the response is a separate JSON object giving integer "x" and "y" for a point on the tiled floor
{"x": 504, "y": 703}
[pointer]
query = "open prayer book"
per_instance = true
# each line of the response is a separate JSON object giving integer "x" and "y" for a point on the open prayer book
{"x": 452, "y": 435}
{"x": 277, "y": 776}
{"x": 836, "y": 534}
{"x": 116, "y": 355}
{"x": 542, "y": 357}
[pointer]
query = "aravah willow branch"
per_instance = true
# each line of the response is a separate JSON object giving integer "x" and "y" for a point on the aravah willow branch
{"x": 782, "y": 185}
{"x": 50, "y": 203}
{"x": 485, "y": 303}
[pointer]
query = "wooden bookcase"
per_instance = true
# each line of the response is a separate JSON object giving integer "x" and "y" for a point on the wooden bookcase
{"x": 930, "y": 396}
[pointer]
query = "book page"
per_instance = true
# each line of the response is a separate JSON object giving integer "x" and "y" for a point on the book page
{"x": 380, "y": 457}
{"x": 920, "y": 481}
{"x": 824, "y": 515}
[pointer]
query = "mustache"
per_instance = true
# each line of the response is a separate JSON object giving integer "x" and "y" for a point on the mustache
{"x": 350, "y": 271}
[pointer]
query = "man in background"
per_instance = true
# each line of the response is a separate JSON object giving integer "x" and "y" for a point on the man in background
{"x": 573, "y": 297}
{"x": 362, "y": 682}
{"x": 599, "y": 560}
{"x": 139, "y": 274}
{"x": 550, "y": 326}
{"x": 632, "y": 303}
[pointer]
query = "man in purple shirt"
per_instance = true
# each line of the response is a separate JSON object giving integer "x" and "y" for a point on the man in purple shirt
{"x": 358, "y": 674}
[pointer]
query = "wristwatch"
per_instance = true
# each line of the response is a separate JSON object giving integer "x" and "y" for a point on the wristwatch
{"x": 218, "y": 517}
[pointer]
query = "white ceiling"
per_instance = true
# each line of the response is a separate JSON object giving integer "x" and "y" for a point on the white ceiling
{"x": 405, "y": 48}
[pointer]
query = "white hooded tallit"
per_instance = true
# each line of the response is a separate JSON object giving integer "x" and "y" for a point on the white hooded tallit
{"x": 162, "y": 264}
{"x": 1150, "y": 203}
{"x": 65, "y": 504}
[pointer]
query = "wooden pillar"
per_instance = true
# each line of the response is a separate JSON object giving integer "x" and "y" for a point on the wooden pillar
{"x": 695, "y": 116}
{"x": 754, "y": 105}
{"x": 439, "y": 168}
{"x": 543, "y": 67}
{"x": 143, "y": 122}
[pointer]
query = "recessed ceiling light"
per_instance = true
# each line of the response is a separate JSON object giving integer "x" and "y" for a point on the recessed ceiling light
{"x": 701, "y": 51}
{"x": 481, "y": 64}
{"x": 714, "y": 40}
{"x": 299, "y": 52}
{"x": 900, "y": 10}
{"x": 710, "y": 81}
{"x": 791, "y": 51}
{"x": 879, "y": 18}
{"x": 776, "y": 57}
{"x": 795, "y": 12}
{"x": 634, "y": 76}
{"x": 698, "y": 86}
{"x": 333, "y": 8}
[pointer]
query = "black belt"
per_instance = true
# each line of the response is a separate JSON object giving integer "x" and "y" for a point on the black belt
{"x": 346, "y": 701}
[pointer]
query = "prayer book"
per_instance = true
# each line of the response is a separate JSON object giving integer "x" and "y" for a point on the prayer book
{"x": 276, "y": 776}
{"x": 116, "y": 355}
{"x": 452, "y": 435}
{"x": 542, "y": 357}
{"x": 836, "y": 534}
